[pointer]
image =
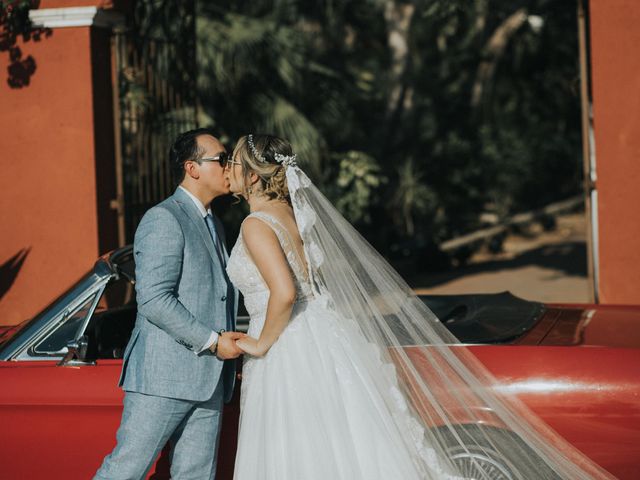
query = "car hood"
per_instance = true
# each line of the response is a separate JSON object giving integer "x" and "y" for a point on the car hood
{"x": 587, "y": 325}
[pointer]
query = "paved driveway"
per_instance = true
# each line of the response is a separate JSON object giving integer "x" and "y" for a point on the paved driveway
{"x": 536, "y": 265}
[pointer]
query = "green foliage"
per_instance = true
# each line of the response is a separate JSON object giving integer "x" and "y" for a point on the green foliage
{"x": 15, "y": 25}
{"x": 480, "y": 111}
{"x": 252, "y": 76}
{"x": 354, "y": 189}
{"x": 412, "y": 197}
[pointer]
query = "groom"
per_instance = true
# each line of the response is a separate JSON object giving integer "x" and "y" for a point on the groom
{"x": 178, "y": 366}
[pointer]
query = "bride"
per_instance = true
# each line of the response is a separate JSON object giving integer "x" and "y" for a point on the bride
{"x": 348, "y": 375}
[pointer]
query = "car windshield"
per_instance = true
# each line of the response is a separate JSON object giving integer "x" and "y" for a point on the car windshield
{"x": 57, "y": 341}
{"x": 72, "y": 293}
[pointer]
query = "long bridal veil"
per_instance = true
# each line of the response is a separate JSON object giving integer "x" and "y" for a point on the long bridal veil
{"x": 456, "y": 414}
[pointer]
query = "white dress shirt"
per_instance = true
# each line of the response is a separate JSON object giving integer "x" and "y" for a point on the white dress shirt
{"x": 204, "y": 212}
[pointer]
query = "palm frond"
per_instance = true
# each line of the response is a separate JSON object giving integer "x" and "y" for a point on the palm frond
{"x": 282, "y": 118}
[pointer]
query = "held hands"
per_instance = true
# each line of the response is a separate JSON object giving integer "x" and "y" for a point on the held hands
{"x": 226, "y": 345}
{"x": 251, "y": 346}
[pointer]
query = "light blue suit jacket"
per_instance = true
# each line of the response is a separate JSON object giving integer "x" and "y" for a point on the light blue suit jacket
{"x": 183, "y": 294}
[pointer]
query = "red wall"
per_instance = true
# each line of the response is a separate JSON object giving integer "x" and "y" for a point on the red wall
{"x": 615, "y": 70}
{"x": 74, "y": 3}
{"x": 53, "y": 136}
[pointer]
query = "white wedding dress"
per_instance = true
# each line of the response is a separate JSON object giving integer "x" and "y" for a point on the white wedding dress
{"x": 311, "y": 408}
{"x": 325, "y": 402}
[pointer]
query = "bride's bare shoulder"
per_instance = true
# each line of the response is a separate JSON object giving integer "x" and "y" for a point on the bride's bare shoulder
{"x": 255, "y": 225}
{"x": 258, "y": 236}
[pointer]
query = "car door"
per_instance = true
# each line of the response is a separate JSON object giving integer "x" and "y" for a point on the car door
{"x": 60, "y": 414}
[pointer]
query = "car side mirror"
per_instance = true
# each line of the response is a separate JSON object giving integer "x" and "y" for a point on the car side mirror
{"x": 76, "y": 352}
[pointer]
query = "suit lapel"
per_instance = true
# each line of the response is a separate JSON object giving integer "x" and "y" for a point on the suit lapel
{"x": 186, "y": 205}
{"x": 192, "y": 212}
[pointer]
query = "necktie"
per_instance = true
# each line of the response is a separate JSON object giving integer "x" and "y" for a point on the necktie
{"x": 211, "y": 226}
{"x": 214, "y": 236}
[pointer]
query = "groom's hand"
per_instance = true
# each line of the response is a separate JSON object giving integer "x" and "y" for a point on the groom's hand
{"x": 227, "y": 347}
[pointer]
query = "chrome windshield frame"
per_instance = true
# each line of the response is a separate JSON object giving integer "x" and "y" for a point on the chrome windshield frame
{"x": 20, "y": 347}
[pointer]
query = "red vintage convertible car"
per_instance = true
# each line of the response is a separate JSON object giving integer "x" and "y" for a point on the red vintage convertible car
{"x": 577, "y": 366}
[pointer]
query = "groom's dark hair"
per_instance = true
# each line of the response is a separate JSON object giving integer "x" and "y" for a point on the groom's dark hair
{"x": 185, "y": 147}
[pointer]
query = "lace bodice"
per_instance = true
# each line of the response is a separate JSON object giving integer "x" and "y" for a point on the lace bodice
{"x": 246, "y": 277}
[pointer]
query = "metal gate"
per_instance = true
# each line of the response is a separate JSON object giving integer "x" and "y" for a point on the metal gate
{"x": 156, "y": 79}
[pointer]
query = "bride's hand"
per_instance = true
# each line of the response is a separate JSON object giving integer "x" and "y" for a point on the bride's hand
{"x": 251, "y": 346}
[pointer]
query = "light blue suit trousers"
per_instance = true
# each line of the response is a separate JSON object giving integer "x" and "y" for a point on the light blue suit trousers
{"x": 193, "y": 428}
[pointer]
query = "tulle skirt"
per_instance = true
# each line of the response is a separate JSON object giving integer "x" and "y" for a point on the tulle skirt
{"x": 321, "y": 405}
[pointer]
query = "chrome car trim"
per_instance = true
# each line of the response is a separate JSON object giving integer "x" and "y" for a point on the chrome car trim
{"x": 76, "y": 353}
{"x": 71, "y": 311}
{"x": 83, "y": 326}
{"x": 29, "y": 353}
{"x": 17, "y": 348}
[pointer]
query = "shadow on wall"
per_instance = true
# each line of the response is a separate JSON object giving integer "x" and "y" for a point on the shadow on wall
{"x": 15, "y": 23}
{"x": 10, "y": 269}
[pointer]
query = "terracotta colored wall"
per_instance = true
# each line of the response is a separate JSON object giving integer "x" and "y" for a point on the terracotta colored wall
{"x": 615, "y": 70}
{"x": 77, "y": 3}
{"x": 51, "y": 209}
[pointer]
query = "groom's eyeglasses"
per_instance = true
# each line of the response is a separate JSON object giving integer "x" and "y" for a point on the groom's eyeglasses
{"x": 222, "y": 158}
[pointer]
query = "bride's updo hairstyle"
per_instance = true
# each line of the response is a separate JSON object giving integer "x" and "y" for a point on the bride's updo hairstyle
{"x": 261, "y": 160}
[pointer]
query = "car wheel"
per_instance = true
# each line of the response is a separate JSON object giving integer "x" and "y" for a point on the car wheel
{"x": 481, "y": 463}
{"x": 487, "y": 453}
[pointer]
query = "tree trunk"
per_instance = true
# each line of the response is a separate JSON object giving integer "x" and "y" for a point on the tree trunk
{"x": 398, "y": 17}
{"x": 493, "y": 52}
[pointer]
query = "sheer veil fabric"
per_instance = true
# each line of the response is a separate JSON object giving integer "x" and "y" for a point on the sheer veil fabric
{"x": 449, "y": 407}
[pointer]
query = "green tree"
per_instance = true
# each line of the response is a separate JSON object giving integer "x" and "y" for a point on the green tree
{"x": 453, "y": 107}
